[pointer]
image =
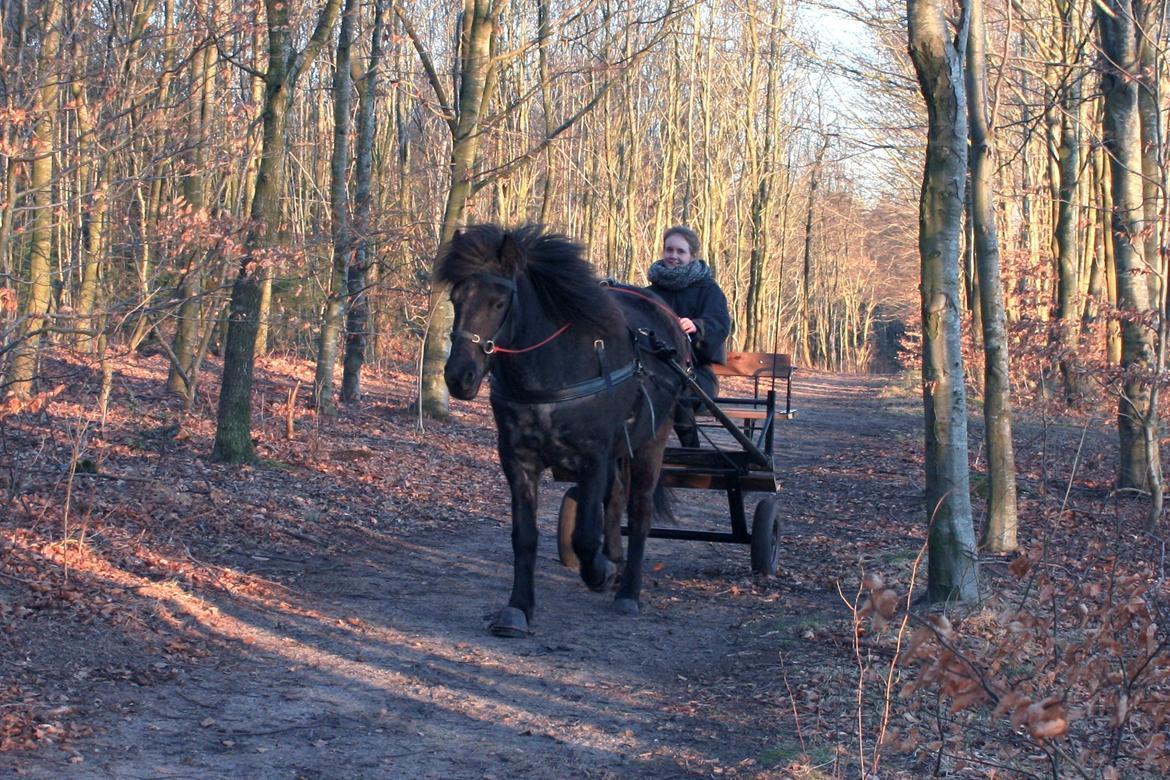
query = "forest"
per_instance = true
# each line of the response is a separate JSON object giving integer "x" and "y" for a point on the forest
{"x": 222, "y": 348}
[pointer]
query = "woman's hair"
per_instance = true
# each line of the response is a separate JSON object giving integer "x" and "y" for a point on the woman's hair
{"x": 691, "y": 237}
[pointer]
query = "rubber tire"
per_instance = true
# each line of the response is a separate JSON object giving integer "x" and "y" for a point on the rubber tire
{"x": 566, "y": 523}
{"x": 766, "y": 537}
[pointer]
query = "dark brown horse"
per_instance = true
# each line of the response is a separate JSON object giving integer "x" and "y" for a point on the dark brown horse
{"x": 578, "y": 381}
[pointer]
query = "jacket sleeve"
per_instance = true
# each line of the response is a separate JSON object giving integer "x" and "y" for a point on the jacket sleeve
{"x": 712, "y": 326}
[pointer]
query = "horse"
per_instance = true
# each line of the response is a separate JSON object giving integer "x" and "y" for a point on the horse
{"x": 581, "y": 380}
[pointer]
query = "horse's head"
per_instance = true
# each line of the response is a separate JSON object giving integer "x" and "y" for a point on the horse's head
{"x": 481, "y": 265}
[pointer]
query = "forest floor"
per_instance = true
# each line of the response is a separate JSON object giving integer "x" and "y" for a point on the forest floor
{"x": 323, "y": 613}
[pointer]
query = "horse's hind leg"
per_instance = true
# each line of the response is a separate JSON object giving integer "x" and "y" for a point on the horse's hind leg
{"x": 643, "y": 479}
{"x": 597, "y": 570}
{"x": 512, "y": 621}
{"x": 615, "y": 507}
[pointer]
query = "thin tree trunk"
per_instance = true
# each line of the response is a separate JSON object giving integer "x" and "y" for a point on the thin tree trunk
{"x": 1112, "y": 325}
{"x": 805, "y": 318}
{"x": 233, "y": 434}
{"x": 952, "y": 562}
{"x": 1067, "y": 208}
{"x": 23, "y": 370}
{"x": 94, "y": 218}
{"x": 999, "y": 533}
{"x": 1136, "y": 418}
{"x": 186, "y": 339}
{"x": 474, "y": 71}
{"x": 333, "y": 317}
{"x": 358, "y": 315}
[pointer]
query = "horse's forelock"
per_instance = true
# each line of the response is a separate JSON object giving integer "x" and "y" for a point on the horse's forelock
{"x": 473, "y": 250}
{"x": 564, "y": 280}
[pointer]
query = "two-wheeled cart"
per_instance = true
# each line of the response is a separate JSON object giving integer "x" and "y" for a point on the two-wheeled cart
{"x": 746, "y": 467}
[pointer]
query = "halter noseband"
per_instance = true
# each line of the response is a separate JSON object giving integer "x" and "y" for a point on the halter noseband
{"x": 489, "y": 345}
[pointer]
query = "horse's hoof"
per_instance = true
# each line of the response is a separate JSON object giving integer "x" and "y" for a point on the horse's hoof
{"x": 605, "y": 581}
{"x": 626, "y": 606}
{"x": 510, "y": 622}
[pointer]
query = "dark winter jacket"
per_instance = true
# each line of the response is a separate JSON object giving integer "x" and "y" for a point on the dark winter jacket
{"x": 704, "y": 303}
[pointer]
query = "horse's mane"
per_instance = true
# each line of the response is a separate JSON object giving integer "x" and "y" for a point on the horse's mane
{"x": 566, "y": 284}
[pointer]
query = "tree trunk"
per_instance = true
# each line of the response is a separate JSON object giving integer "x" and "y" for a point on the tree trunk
{"x": 186, "y": 339}
{"x": 761, "y": 208}
{"x": 1121, "y": 137}
{"x": 952, "y": 565}
{"x": 334, "y": 314}
{"x": 358, "y": 315}
{"x": 1067, "y": 208}
{"x": 804, "y": 321}
{"x": 94, "y": 218}
{"x": 1147, "y": 35}
{"x": 999, "y": 534}
{"x": 233, "y": 434}
{"x": 474, "y": 70}
{"x": 1112, "y": 324}
{"x": 23, "y": 369}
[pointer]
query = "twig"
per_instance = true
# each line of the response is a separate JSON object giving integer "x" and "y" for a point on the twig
{"x": 14, "y": 578}
{"x": 792, "y": 699}
{"x": 289, "y": 428}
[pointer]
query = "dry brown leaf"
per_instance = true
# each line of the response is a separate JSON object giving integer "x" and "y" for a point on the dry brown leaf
{"x": 1048, "y": 729}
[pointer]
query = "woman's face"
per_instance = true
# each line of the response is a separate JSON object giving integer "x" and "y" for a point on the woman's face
{"x": 676, "y": 251}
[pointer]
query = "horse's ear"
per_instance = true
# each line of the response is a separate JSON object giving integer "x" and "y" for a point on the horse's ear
{"x": 511, "y": 258}
{"x": 458, "y": 232}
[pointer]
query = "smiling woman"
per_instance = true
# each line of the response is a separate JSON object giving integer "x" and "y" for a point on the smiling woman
{"x": 685, "y": 282}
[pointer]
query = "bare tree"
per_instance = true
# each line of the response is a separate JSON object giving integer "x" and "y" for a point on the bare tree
{"x": 999, "y": 534}
{"x": 23, "y": 370}
{"x": 233, "y": 433}
{"x": 1137, "y": 423}
{"x": 952, "y": 565}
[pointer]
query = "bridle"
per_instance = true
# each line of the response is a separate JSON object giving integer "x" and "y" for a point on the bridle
{"x": 606, "y": 382}
{"x": 489, "y": 346}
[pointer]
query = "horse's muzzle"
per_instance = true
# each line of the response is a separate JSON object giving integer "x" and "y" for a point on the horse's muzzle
{"x": 463, "y": 381}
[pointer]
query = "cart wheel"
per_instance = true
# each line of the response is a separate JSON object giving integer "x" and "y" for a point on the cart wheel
{"x": 766, "y": 536}
{"x": 566, "y": 522}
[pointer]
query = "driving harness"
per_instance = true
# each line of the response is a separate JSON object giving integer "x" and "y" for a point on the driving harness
{"x": 642, "y": 340}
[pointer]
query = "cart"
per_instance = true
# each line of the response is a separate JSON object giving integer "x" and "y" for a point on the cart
{"x": 745, "y": 465}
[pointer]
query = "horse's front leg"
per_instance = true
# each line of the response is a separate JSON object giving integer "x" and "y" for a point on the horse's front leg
{"x": 523, "y": 478}
{"x": 645, "y": 468}
{"x": 597, "y": 571}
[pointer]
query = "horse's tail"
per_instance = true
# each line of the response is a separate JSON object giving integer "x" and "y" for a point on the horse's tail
{"x": 663, "y": 503}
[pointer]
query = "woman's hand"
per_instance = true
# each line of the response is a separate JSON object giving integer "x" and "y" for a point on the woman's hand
{"x": 687, "y": 324}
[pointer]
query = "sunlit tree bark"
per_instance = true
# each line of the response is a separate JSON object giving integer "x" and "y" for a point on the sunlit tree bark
{"x": 463, "y": 119}
{"x": 952, "y": 564}
{"x": 1067, "y": 168}
{"x": 358, "y": 312}
{"x": 999, "y": 534}
{"x": 233, "y": 434}
{"x": 23, "y": 370}
{"x": 203, "y": 97}
{"x": 1136, "y": 418}
{"x": 341, "y": 227}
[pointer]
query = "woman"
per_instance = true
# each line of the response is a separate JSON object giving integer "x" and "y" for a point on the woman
{"x": 685, "y": 282}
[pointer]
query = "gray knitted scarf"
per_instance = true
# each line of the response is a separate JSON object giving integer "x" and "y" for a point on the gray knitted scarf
{"x": 680, "y": 277}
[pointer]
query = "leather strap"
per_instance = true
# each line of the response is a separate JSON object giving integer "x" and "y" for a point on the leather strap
{"x": 568, "y": 393}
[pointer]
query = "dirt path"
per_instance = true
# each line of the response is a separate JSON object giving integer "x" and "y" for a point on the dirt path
{"x": 374, "y": 661}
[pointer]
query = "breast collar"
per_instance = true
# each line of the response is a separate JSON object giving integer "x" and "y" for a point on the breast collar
{"x": 605, "y": 382}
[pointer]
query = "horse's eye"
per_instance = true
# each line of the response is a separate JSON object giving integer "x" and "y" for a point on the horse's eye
{"x": 498, "y": 305}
